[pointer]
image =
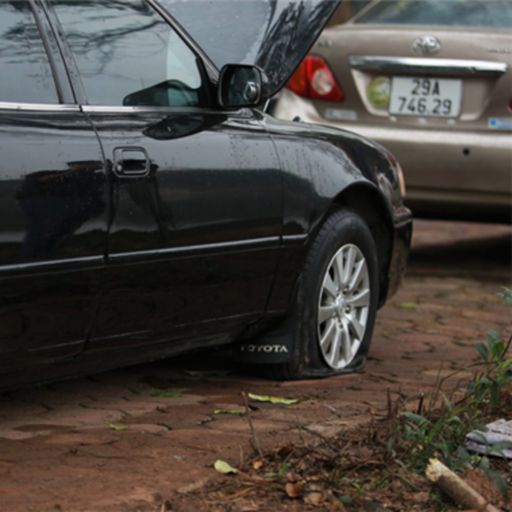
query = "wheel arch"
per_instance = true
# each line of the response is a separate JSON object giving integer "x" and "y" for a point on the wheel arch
{"x": 275, "y": 342}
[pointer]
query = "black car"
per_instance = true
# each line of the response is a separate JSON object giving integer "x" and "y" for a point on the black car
{"x": 149, "y": 206}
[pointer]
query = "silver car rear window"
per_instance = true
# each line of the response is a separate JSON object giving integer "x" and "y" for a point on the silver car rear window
{"x": 461, "y": 13}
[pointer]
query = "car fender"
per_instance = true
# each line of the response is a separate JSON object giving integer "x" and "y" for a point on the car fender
{"x": 323, "y": 169}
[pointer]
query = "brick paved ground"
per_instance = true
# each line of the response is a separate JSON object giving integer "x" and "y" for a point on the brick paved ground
{"x": 58, "y": 452}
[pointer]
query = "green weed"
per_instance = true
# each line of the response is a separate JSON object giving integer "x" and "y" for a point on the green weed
{"x": 439, "y": 429}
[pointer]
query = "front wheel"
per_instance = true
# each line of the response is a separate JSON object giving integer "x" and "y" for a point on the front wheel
{"x": 343, "y": 307}
{"x": 336, "y": 301}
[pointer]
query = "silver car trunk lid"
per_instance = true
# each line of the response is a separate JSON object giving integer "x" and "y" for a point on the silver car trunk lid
{"x": 464, "y": 41}
{"x": 479, "y": 60}
{"x": 272, "y": 34}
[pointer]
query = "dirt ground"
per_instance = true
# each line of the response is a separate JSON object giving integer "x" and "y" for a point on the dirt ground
{"x": 131, "y": 439}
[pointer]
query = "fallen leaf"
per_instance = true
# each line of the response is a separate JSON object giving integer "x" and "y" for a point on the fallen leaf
{"x": 168, "y": 394}
{"x": 314, "y": 498}
{"x": 293, "y": 490}
{"x": 257, "y": 464}
{"x": 223, "y": 467}
{"x": 273, "y": 399}
{"x": 292, "y": 477}
{"x": 396, "y": 485}
{"x": 239, "y": 412}
{"x": 411, "y": 306}
{"x": 118, "y": 427}
{"x": 360, "y": 453}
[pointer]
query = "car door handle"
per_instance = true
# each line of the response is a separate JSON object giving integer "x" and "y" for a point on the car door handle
{"x": 131, "y": 162}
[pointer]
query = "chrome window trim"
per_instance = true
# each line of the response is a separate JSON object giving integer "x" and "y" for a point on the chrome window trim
{"x": 427, "y": 65}
{"x": 106, "y": 109}
{"x": 39, "y": 107}
{"x": 111, "y": 109}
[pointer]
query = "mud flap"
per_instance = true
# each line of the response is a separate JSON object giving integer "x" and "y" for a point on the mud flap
{"x": 272, "y": 348}
{"x": 277, "y": 347}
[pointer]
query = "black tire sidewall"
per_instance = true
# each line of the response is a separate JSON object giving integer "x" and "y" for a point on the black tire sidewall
{"x": 341, "y": 228}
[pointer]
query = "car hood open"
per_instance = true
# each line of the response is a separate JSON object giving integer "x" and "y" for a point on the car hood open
{"x": 272, "y": 34}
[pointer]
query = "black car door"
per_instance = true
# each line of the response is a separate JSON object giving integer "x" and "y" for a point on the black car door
{"x": 52, "y": 198}
{"x": 196, "y": 220}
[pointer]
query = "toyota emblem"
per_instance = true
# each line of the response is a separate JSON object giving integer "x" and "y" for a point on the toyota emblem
{"x": 426, "y": 45}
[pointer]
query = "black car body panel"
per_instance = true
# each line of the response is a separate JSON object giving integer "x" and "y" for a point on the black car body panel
{"x": 224, "y": 196}
{"x": 129, "y": 233}
{"x": 54, "y": 232}
{"x": 323, "y": 167}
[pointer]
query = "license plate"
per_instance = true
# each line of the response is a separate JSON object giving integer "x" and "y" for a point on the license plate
{"x": 432, "y": 97}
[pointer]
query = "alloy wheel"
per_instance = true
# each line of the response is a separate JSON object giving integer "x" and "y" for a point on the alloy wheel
{"x": 343, "y": 307}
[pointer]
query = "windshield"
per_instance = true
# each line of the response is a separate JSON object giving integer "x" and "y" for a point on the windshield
{"x": 462, "y": 13}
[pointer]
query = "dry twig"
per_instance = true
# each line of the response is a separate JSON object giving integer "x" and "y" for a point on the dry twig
{"x": 254, "y": 436}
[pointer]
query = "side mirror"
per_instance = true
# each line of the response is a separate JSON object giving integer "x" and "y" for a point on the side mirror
{"x": 242, "y": 85}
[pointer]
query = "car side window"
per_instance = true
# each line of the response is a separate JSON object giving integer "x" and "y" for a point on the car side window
{"x": 128, "y": 55}
{"x": 25, "y": 70}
